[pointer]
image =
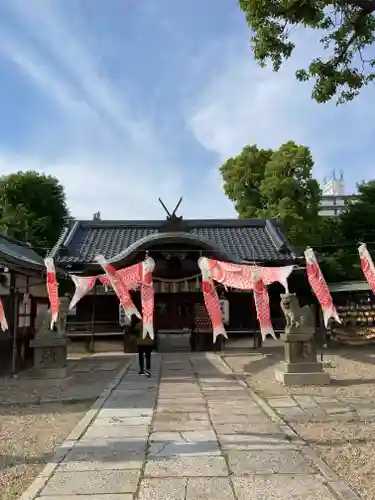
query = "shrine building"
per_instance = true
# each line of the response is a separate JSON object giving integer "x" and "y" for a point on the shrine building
{"x": 175, "y": 245}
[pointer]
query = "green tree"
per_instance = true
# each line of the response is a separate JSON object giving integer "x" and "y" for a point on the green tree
{"x": 347, "y": 28}
{"x": 276, "y": 184}
{"x": 32, "y": 208}
{"x": 339, "y": 236}
{"x": 357, "y": 223}
{"x": 331, "y": 250}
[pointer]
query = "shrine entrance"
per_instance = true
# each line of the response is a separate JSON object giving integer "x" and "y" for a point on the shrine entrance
{"x": 175, "y": 311}
{"x": 177, "y": 284}
{"x": 175, "y": 246}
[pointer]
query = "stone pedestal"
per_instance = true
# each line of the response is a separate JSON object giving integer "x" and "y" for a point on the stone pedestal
{"x": 300, "y": 379}
{"x": 50, "y": 353}
{"x": 51, "y": 347}
{"x": 301, "y": 366}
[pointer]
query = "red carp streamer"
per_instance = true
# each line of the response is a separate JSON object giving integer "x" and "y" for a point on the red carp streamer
{"x": 211, "y": 300}
{"x": 320, "y": 287}
{"x": 52, "y": 289}
{"x": 147, "y": 296}
{"x": 3, "y": 320}
{"x": 367, "y": 265}
{"x": 122, "y": 281}
{"x": 119, "y": 287}
{"x": 242, "y": 277}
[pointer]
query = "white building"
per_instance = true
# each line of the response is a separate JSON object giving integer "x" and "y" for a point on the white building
{"x": 334, "y": 199}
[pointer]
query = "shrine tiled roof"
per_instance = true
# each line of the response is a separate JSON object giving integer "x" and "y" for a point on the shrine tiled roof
{"x": 240, "y": 240}
{"x": 14, "y": 252}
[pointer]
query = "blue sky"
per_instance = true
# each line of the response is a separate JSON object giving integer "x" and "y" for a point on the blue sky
{"x": 128, "y": 100}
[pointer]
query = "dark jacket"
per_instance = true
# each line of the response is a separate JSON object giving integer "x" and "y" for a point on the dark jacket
{"x": 138, "y": 330}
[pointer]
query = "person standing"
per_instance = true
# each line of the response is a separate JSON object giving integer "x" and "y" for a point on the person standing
{"x": 193, "y": 331}
{"x": 145, "y": 346}
{"x": 126, "y": 325}
{"x": 328, "y": 332}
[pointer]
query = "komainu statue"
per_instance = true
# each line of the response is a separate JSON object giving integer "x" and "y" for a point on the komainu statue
{"x": 301, "y": 366}
{"x": 297, "y": 319}
{"x": 43, "y": 321}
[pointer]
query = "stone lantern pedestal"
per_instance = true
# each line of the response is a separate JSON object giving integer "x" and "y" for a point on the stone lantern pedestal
{"x": 51, "y": 347}
{"x": 50, "y": 356}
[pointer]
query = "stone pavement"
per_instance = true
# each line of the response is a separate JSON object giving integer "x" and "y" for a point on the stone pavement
{"x": 303, "y": 408}
{"x": 194, "y": 431}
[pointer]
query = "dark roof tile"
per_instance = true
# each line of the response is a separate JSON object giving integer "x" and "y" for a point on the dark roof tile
{"x": 243, "y": 239}
{"x": 18, "y": 253}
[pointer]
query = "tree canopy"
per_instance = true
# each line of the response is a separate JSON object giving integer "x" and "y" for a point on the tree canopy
{"x": 341, "y": 235}
{"x": 266, "y": 183}
{"x": 276, "y": 184}
{"x": 357, "y": 223}
{"x": 347, "y": 28}
{"x": 32, "y": 208}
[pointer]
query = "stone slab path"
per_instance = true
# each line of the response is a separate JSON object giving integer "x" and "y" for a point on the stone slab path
{"x": 307, "y": 408}
{"x": 192, "y": 432}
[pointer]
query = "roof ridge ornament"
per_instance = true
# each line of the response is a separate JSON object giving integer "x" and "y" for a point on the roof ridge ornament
{"x": 173, "y": 223}
{"x": 173, "y": 214}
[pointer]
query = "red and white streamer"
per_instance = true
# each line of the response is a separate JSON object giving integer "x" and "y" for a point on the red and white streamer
{"x": 148, "y": 297}
{"x": 119, "y": 287}
{"x": 131, "y": 276}
{"x": 52, "y": 290}
{"x": 320, "y": 287}
{"x": 367, "y": 265}
{"x": 242, "y": 277}
{"x": 122, "y": 281}
{"x": 83, "y": 286}
{"x": 3, "y": 320}
{"x": 211, "y": 299}
{"x": 262, "y": 305}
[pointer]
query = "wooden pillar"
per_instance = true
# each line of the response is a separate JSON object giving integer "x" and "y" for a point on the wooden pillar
{"x": 93, "y": 311}
{"x": 14, "y": 323}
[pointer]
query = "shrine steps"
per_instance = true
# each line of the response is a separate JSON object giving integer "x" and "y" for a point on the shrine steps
{"x": 84, "y": 346}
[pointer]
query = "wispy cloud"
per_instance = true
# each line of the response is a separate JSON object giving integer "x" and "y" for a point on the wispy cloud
{"x": 90, "y": 187}
{"x": 74, "y": 59}
{"x": 109, "y": 157}
{"x": 164, "y": 113}
{"x": 29, "y": 62}
{"x": 244, "y": 104}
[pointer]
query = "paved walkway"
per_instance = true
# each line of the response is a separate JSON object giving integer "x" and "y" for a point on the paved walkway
{"x": 299, "y": 408}
{"x": 192, "y": 432}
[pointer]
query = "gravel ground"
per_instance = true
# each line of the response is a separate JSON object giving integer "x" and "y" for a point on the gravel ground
{"x": 28, "y": 437}
{"x": 36, "y": 416}
{"x": 347, "y": 447}
{"x": 352, "y": 373}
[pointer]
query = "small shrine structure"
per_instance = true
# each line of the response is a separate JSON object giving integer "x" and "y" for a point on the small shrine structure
{"x": 23, "y": 296}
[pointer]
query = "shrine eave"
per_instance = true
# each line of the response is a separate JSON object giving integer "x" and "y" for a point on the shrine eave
{"x": 176, "y": 238}
{"x": 236, "y": 240}
{"x": 16, "y": 254}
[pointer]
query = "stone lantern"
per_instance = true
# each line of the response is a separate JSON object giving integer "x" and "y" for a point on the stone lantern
{"x": 50, "y": 346}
